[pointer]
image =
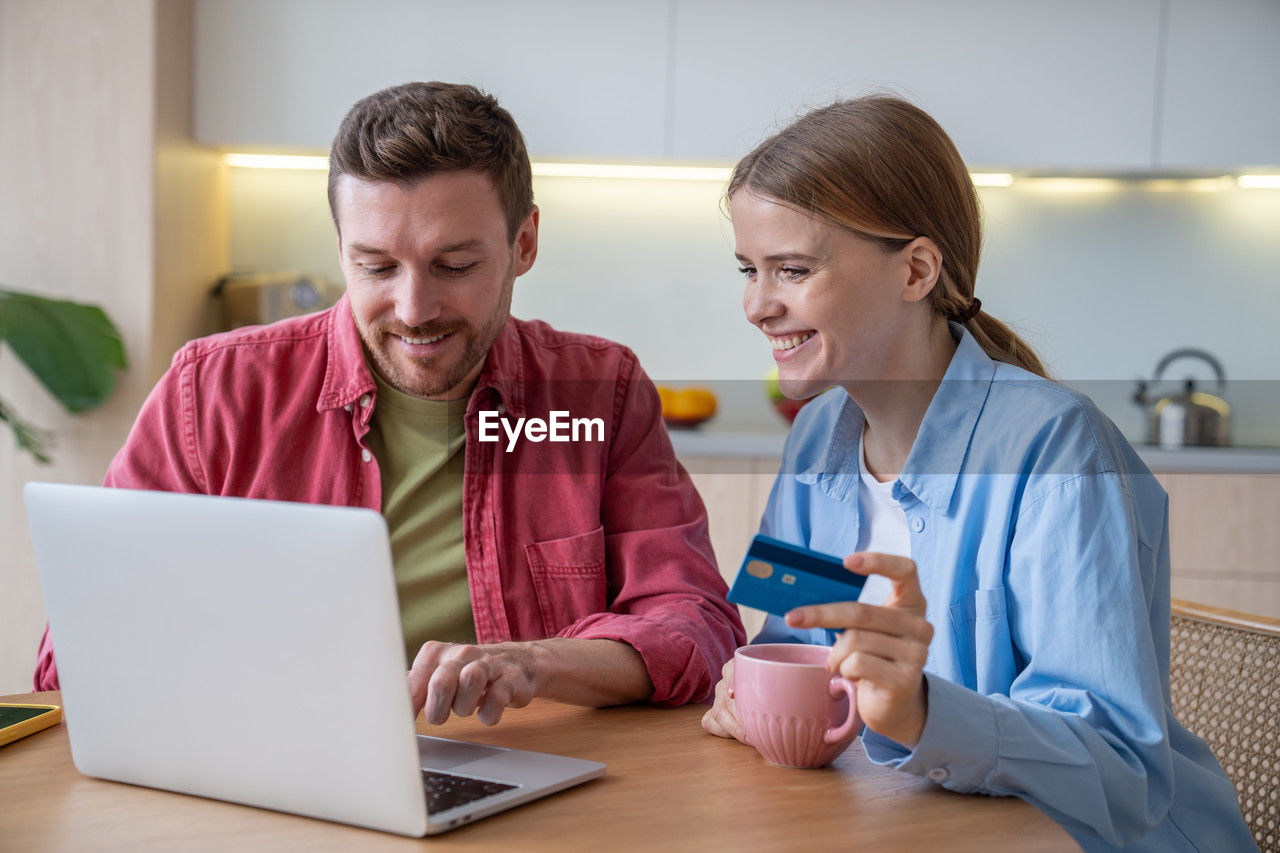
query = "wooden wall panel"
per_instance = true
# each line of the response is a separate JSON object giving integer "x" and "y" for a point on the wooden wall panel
{"x": 104, "y": 200}
{"x": 75, "y": 222}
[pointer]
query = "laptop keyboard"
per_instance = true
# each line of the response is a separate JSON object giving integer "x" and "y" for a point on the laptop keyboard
{"x": 446, "y": 791}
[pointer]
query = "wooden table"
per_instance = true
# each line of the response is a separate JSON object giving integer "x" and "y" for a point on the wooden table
{"x": 669, "y": 786}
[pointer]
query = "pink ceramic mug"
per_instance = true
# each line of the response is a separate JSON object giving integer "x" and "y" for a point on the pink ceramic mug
{"x": 792, "y": 710}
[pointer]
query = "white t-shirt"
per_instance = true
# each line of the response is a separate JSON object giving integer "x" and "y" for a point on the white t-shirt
{"x": 883, "y": 528}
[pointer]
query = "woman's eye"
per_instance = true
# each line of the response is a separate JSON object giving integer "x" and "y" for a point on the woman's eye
{"x": 375, "y": 270}
{"x": 793, "y": 273}
{"x": 747, "y": 271}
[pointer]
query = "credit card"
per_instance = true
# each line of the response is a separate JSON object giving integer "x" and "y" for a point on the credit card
{"x": 777, "y": 576}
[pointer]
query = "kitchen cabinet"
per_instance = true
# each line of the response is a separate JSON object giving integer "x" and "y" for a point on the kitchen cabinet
{"x": 1017, "y": 84}
{"x": 583, "y": 79}
{"x": 735, "y": 491}
{"x": 1221, "y": 84}
{"x": 1224, "y": 540}
{"x": 1092, "y": 86}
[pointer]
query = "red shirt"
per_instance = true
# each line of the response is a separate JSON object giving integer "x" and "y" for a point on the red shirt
{"x": 593, "y": 539}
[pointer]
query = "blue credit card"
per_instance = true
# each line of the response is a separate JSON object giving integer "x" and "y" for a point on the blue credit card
{"x": 777, "y": 576}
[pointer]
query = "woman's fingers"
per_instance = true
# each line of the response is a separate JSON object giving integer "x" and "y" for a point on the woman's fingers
{"x": 901, "y": 572}
{"x": 895, "y": 650}
{"x": 846, "y": 615}
{"x": 722, "y": 719}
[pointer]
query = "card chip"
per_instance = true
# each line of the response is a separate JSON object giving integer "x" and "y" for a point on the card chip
{"x": 789, "y": 579}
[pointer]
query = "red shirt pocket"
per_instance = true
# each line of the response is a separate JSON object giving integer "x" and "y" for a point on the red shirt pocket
{"x": 568, "y": 578}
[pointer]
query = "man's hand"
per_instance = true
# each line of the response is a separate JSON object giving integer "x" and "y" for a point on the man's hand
{"x": 486, "y": 680}
{"x": 722, "y": 719}
{"x": 466, "y": 680}
{"x": 881, "y": 649}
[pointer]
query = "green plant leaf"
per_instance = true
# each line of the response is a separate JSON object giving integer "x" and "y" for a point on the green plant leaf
{"x": 72, "y": 348}
{"x": 29, "y": 437}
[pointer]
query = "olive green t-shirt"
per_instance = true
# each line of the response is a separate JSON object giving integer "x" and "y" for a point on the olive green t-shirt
{"x": 419, "y": 447}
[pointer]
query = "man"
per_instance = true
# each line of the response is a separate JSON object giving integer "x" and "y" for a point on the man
{"x": 527, "y": 565}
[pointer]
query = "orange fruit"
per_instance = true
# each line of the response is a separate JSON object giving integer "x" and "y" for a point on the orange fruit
{"x": 691, "y": 404}
{"x": 665, "y": 396}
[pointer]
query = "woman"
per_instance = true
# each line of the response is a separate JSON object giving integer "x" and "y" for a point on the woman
{"x": 1014, "y": 636}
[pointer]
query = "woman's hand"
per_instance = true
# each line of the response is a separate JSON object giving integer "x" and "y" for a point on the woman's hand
{"x": 722, "y": 719}
{"x": 882, "y": 649}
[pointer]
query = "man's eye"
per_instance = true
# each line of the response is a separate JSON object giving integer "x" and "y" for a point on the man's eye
{"x": 456, "y": 270}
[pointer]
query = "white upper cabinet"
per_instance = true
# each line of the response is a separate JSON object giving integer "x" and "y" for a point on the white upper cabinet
{"x": 1088, "y": 86}
{"x": 583, "y": 79}
{"x": 1035, "y": 84}
{"x": 1222, "y": 88}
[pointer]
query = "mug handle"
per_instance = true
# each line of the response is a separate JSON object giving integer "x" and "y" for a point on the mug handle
{"x": 835, "y": 687}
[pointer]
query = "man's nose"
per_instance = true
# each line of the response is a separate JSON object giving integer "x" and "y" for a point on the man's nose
{"x": 416, "y": 301}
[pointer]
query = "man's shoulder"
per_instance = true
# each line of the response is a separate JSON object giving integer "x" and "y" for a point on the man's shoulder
{"x": 558, "y": 350}
{"x": 290, "y": 340}
{"x": 543, "y": 334}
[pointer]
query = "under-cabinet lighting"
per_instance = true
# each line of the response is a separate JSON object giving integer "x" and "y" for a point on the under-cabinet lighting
{"x": 277, "y": 161}
{"x": 1258, "y": 182}
{"x": 1072, "y": 185}
{"x": 719, "y": 174}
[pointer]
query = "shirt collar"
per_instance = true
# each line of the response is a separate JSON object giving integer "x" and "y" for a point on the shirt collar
{"x": 504, "y": 369}
{"x": 347, "y": 375}
{"x": 933, "y": 466}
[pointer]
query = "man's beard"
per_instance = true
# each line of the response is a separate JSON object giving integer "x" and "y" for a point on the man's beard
{"x": 434, "y": 379}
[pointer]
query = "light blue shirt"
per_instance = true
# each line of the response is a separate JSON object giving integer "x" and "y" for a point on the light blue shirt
{"x": 1042, "y": 546}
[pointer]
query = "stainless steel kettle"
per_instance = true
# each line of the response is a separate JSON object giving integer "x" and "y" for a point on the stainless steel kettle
{"x": 1191, "y": 418}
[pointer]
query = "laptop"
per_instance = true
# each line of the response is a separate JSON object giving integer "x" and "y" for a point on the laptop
{"x": 251, "y": 651}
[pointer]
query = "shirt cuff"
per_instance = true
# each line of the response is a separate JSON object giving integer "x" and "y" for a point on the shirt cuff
{"x": 957, "y": 748}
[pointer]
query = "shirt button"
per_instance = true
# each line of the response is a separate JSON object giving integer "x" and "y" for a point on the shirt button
{"x": 939, "y": 774}
{"x": 917, "y": 524}
{"x": 364, "y": 401}
{"x": 366, "y": 455}
{"x": 347, "y": 407}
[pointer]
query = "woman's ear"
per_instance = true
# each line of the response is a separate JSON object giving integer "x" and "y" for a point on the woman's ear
{"x": 924, "y": 262}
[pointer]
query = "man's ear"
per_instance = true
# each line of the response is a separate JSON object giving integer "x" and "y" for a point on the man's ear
{"x": 924, "y": 265}
{"x": 525, "y": 249}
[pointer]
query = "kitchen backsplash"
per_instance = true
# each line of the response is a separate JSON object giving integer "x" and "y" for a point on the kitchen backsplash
{"x": 1103, "y": 280}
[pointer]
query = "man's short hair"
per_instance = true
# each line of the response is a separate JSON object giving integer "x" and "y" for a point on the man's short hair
{"x": 407, "y": 132}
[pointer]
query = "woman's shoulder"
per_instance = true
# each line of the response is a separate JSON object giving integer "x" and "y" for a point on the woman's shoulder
{"x": 1035, "y": 424}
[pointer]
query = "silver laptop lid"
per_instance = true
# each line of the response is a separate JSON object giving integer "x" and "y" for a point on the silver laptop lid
{"x": 242, "y": 650}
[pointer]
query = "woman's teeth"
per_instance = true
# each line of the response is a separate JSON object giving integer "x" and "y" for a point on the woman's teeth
{"x": 792, "y": 342}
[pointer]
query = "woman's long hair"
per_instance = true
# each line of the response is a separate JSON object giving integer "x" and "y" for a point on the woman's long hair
{"x": 883, "y": 168}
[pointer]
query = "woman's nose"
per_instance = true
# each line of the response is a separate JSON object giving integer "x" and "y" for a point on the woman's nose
{"x": 759, "y": 303}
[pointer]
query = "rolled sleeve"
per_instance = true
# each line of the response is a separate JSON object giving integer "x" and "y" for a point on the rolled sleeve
{"x": 671, "y": 604}
{"x": 677, "y": 662}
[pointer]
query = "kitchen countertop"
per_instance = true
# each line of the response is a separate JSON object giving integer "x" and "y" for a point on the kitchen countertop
{"x": 712, "y": 442}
